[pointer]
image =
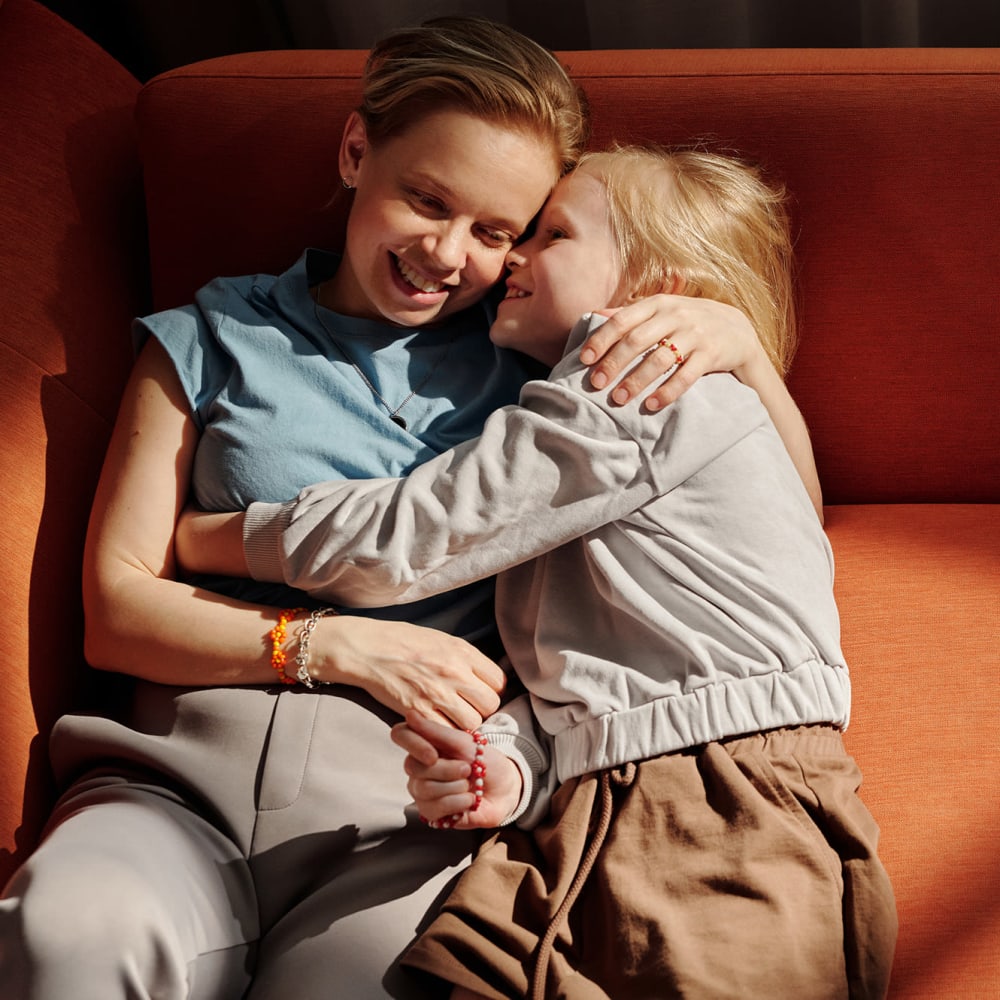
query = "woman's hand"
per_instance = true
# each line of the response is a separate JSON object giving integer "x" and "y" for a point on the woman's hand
{"x": 439, "y": 764}
{"x": 408, "y": 668}
{"x": 709, "y": 336}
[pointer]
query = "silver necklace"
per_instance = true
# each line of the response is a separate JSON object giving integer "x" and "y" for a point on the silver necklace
{"x": 393, "y": 413}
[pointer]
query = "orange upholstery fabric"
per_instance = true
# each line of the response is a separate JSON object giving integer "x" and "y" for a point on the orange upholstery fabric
{"x": 919, "y": 593}
{"x": 891, "y": 158}
{"x": 72, "y": 260}
{"x": 883, "y": 151}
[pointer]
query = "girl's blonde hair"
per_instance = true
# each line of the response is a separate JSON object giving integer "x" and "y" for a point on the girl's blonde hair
{"x": 477, "y": 66}
{"x": 711, "y": 221}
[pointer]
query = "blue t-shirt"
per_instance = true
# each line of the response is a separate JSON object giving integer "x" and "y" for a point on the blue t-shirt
{"x": 280, "y": 405}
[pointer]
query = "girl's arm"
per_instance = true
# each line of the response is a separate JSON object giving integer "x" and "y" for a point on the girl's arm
{"x": 141, "y": 621}
{"x": 542, "y": 473}
{"x": 711, "y": 337}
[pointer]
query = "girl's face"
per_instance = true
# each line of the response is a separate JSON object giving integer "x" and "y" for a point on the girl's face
{"x": 435, "y": 211}
{"x": 569, "y": 266}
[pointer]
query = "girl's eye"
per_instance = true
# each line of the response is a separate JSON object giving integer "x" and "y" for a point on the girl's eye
{"x": 557, "y": 234}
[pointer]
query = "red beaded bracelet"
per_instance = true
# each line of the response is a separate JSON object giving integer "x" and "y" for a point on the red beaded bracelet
{"x": 477, "y": 781}
{"x": 478, "y": 776}
{"x": 277, "y": 635}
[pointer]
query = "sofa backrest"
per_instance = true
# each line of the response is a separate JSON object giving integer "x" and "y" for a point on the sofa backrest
{"x": 72, "y": 273}
{"x": 891, "y": 157}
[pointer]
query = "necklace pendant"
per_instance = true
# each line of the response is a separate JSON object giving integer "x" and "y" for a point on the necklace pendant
{"x": 397, "y": 420}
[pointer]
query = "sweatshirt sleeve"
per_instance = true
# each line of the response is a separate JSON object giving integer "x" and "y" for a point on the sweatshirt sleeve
{"x": 541, "y": 474}
{"x": 514, "y": 731}
{"x": 549, "y": 470}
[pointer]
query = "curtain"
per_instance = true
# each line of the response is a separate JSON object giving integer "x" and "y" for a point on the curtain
{"x": 150, "y": 36}
{"x": 585, "y": 24}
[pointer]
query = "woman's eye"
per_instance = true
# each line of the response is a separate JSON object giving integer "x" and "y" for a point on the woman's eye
{"x": 557, "y": 234}
{"x": 426, "y": 202}
{"x": 496, "y": 238}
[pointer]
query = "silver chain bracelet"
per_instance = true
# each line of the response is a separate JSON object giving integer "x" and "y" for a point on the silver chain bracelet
{"x": 302, "y": 657}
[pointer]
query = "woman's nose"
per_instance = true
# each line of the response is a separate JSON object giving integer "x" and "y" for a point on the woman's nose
{"x": 446, "y": 248}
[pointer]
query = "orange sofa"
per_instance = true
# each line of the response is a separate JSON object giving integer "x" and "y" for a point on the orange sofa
{"x": 115, "y": 199}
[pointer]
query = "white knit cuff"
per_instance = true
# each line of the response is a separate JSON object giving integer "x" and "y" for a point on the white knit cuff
{"x": 263, "y": 526}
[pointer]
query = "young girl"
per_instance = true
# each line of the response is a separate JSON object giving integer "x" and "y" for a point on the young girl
{"x": 667, "y": 604}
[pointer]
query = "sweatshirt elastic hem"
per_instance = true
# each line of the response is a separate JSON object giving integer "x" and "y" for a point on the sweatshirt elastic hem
{"x": 811, "y": 693}
{"x": 262, "y": 529}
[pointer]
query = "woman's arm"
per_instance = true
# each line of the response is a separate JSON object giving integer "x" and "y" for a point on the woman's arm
{"x": 711, "y": 337}
{"x": 760, "y": 375}
{"x": 141, "y": 621}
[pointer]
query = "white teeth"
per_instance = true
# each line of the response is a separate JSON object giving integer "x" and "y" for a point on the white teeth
{"x": 516, "y": 293}
{"x": 414, "y": 279}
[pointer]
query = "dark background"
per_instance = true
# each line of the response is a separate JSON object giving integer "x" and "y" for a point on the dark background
{"x": 150, "y": 36}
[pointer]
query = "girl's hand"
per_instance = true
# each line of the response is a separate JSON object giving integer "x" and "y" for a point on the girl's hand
{"x": 439, "y": 764}
{"x": 709, "y": 336}
{"x": 408, "y": 668}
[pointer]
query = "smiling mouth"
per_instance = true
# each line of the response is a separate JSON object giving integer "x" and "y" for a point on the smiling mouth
{"x": 414, "y": 279}
{"x": 516, "y": 293}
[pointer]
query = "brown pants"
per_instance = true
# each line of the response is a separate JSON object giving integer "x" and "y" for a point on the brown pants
{"x": 742, "y": 869}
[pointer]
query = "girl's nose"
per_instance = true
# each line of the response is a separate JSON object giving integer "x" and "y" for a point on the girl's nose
{"x": 515, "y": 258}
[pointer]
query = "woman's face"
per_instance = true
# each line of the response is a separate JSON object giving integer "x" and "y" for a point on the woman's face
{"x": 435, "y": 211}
{"x": 569, "y": 266}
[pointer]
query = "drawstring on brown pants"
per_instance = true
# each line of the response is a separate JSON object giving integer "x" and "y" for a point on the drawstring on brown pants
{"x": 622, "y": 776}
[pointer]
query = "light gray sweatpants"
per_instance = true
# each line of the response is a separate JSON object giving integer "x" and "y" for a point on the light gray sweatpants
{"x": 231, "y": 843}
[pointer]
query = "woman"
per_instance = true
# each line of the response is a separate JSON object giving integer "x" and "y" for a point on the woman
{"x": 233, "y": 836}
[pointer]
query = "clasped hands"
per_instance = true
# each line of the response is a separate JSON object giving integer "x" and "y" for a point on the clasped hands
{"x": 439, "y": 768}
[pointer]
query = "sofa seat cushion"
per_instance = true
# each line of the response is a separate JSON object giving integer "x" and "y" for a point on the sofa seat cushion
{"x": 918, "y": 587}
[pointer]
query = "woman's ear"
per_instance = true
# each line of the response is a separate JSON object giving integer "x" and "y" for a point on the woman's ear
{"x": 353, "y": 147}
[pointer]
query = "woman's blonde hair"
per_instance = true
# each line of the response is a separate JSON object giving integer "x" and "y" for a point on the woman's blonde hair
{"x": 710, "y": 220}
{"x": 477, "y": 66}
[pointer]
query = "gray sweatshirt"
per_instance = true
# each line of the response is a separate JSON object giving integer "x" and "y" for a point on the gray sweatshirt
{"x": 664, "y": 580}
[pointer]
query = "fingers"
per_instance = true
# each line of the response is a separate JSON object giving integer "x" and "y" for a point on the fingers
{"x": 619, "y": 341}
{"x": 455, "y": 705}
{"x": 467, "y": 704}
{"x": 657, "y": 331}
{"x": 678, "y": 383}
{"x": 414, "y": 744}
{"x": 442, "y": 791}
{"x": 458, "y": 685}
{"x": 645, "y": 332}
{"x": 447, "y": 742}
{"x": 439, "y": 785}
{"x": 458, "y": 713}
{"x": 660, "y": 359}
{"x": 483, "y": 699}
{"x": 491, "y": 674}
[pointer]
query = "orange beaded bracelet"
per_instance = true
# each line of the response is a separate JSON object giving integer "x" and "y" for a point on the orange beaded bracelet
{"x": 278, "y": 634}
